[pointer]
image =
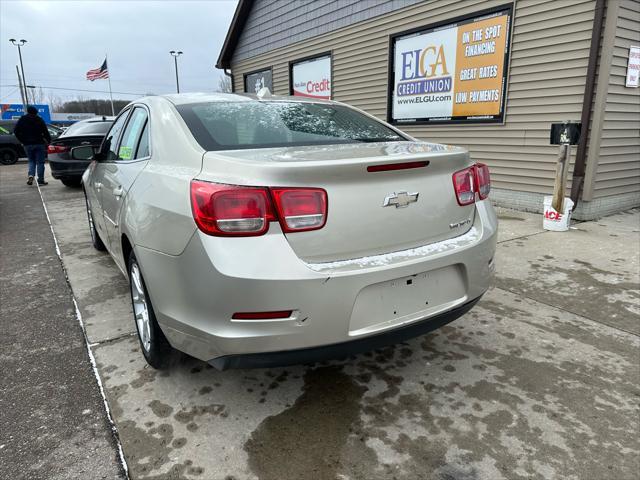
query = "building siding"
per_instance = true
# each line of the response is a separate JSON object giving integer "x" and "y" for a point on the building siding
{"x": 277, "y": 23}
{"x": 546, "y": 82}
{"x": 618, "y": 170}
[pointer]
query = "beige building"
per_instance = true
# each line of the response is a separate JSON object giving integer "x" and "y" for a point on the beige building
{"x": 544, "y": 62}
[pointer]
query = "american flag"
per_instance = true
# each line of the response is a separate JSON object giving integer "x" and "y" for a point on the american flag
{"x": 98, "y": 73}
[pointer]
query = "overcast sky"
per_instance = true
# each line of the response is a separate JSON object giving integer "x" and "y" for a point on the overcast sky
{"x": 67, "y": 38}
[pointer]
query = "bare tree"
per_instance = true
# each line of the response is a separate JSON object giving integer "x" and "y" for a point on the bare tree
{"x": 36, "y": 95}
{"x": 224, "y": 84}
{"x": 55, "y": 102}
{"x": 84, "y": 105}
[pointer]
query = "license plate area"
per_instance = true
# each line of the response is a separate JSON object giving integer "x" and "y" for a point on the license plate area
{"x": 407, "y": 299}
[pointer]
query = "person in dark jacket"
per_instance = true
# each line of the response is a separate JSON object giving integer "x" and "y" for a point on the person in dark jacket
{"x": 34, "y": 136}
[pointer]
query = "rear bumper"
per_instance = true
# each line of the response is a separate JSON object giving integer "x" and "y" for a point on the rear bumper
{"x": 67, "y": 168}
{"x": 196, "y": 293}
{"x": 341, "y": 350}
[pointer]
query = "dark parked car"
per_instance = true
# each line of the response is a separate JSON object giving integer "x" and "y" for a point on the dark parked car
{"x": 10, "y": 147}
{"x": 83, "y": 133}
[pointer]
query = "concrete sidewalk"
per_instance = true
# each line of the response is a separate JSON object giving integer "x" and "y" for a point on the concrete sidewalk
{"x": 538, "y": 381}
{"x": 52, "y": 417}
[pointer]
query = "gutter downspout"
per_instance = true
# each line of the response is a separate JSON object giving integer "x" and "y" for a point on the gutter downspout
{"x": 577, "y": 181}
{"x": 230, "y": 75}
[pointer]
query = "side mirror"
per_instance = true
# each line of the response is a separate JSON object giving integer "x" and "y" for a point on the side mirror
{"x": 83, "y": 153}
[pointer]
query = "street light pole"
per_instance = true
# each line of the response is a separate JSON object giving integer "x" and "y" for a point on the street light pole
{"x": 21, "y": 86}
{"x": 19, "y": 44}
{"x": 175, "y": 56}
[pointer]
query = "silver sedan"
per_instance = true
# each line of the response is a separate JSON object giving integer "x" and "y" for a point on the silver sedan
{"x": 264, "y": 230}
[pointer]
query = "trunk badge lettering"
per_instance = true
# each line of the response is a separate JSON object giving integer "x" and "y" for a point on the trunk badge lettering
{"x": 400, "y": 199}
{"x": 459, "y": 224}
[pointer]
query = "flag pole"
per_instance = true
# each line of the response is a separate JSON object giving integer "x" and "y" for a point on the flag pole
{"x": 113, "y": 112}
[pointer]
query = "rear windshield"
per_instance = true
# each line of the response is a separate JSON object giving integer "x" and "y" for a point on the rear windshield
{"x": 88, "y": 128}
{"x": 237, "y": 125}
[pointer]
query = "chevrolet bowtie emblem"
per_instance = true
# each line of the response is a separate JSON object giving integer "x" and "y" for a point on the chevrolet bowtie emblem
{"x": 400, "y": 199}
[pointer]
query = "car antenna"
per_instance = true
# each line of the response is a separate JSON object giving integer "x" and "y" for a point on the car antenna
{"x": 264, "y": 92}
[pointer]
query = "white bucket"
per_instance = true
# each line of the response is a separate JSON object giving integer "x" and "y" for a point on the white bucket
{"x": 555, "y": 221}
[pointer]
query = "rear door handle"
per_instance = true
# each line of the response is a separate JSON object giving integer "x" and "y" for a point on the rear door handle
{"x": 117, "y": 192}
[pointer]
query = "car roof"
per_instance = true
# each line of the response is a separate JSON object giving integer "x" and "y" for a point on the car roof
{"x": 102, "y": 118}
{"x": 202, "y": 97}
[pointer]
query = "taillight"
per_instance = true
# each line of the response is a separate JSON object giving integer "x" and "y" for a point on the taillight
{"x": 300, "y": 209}
{"x": 483, "y": 180}
{"x": 471, "y": 180}
{"x": 234, "y": 210}
{"x": 229, "y": 210}
{"x": 57, "y": 149}
{"x": 463, "y": 183}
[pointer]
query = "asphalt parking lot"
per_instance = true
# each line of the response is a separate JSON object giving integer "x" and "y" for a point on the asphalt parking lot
{"x": 539, "y": 381}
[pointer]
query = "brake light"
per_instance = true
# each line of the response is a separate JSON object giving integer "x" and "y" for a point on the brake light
{"x": 471, "y": 180}
{"x": 57, "y": 149}
{"x": 463, "y": 183}
{"x": 387, "y": 167}
{"x": 300, "y": 209}
{"x": 229, "y": 210}
{"x": 483, "y": 180}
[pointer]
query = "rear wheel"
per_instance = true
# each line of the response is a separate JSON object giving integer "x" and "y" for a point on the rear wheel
{"x": 8, "y": 156}
{"x": 96, "y": 241}
{"x": 155, "y": 347}
{"x": 72, "y": 182}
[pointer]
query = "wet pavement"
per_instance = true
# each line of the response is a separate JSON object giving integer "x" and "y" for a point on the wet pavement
{"x": 539, "y": 381}
{"x": 53, "y": 423}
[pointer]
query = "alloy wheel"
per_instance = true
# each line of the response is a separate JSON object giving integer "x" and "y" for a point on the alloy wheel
{"x": 91, "y": 226}
{"x": 140, "y": 307}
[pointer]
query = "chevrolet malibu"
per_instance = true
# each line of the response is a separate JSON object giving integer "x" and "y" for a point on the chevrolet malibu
{"x": 262, "y": 230}
{"x": 84, "y": 132}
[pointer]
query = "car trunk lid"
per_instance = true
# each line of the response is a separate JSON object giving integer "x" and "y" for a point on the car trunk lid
{"x": 62, "y": 146}
{"x": 373, "y": 206}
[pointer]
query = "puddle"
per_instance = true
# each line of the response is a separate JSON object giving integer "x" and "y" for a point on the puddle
{"x": 306, "y": 440}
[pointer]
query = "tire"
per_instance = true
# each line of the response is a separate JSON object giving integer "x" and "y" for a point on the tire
{"x": 71, "y": 182}
{"x": 96, "y": 241}
{"x": 154, "y": 345}
{"x": 8, "y": 156}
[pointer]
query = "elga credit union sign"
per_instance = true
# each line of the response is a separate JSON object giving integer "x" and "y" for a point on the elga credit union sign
{"x": 452, "y": 73}
{"x": 312, "y": 77}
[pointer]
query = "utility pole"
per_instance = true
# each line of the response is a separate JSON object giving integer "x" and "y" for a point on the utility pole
{"x": 175, "y": 56}
{"x": 20, "y": 44}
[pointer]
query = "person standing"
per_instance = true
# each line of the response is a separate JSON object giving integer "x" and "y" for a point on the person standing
{"x": 34, "y": 136}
